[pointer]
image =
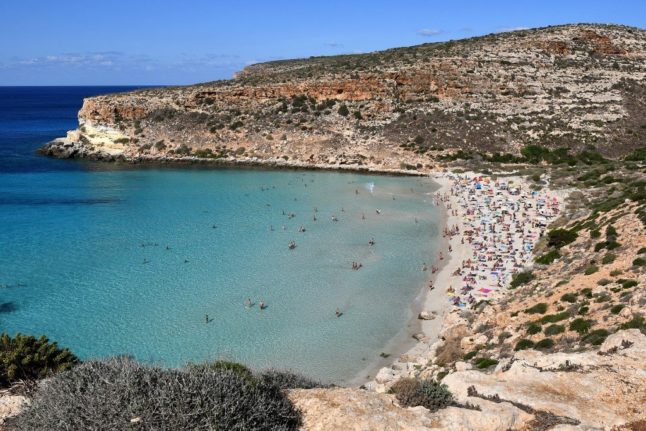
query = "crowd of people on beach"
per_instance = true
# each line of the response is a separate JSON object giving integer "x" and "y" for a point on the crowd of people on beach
{"x": 499, "y": 221}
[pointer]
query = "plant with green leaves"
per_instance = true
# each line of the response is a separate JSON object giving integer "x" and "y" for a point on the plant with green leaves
{"x": 28, "y": 358}
{"x": 427, "y": 393}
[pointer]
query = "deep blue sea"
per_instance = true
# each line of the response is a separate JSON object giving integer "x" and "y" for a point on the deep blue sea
{"x": 118, "y": 259}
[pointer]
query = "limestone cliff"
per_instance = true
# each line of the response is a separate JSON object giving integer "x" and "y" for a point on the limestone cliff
{"x": 575, "y": 86}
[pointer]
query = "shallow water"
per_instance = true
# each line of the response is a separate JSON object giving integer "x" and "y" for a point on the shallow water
{"x": 84, "y": 259}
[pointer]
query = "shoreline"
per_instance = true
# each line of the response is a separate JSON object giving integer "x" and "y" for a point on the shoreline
{"x": 221, "y": 163}
{"x": 459, "y": 210}
{"x": 403, "y": 342}
{"x": 432, "y": 301}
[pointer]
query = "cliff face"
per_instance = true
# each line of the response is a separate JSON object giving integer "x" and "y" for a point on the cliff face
{"x": 570, "y": 86}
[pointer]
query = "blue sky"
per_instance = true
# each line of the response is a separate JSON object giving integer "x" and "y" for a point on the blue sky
{"x": 87, "y": 42}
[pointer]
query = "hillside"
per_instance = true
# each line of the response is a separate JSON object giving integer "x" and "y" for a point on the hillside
{"x": 557, "y": 345}
{"x": 575, "y": 86}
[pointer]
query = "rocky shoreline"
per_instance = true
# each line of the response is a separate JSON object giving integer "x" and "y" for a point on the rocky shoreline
{"x": 63, "y": 148}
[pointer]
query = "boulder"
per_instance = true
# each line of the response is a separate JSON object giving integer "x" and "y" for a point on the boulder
{"x": 604, "y": 389}
{"x": 358, "y": 410}
{"x": 426, "y": 315}
{"x": 11, "y": 405}
{"x": 385, "y": 375}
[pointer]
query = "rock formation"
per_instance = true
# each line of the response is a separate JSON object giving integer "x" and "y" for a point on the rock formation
{"x": 575, "y": 86}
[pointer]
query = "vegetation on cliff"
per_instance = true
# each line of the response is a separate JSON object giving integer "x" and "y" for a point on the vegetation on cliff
{"x": 25, "y": 359}
{"x": 562, "y": 94}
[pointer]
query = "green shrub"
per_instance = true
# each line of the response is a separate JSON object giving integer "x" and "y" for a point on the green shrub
{"x": 580, "y": 325}
{"x": 545, "y": 343}
{"x": 470, "y": 355}
{"x": 611, "y": 245}
{"x": 587, "y": 292}
{"x": 560, "y": 237}
{"x": 641, "y": 250}
{"x": 595, "y": 337}
{"x": 520, "y": 278}
{"x": 28, "y": 358}
{"x": 616, "y": 309}
{"x": 485, "y": 362}
{"x": 427, "y": 393}
{"x": 553, "y": 318}
{"x": 608, "y": 258}
{"x": 615, "y": 272}
{"x": 183, "y": 150}
{"x": 236, "y": 125}
{"x": 583, "y": 310}
{"x": 569, "y": 297}
{"x": 548, "y": 258}
{"x": 554, "y": 330}
{"x": 603, "y": 282}
{"x": 540, "y": 308}
{"x": 533, "y": 328}
{"x": 591, "y": 270}
{"x": 602, "y": 298}
{"x": 627, "y": 284}
{"x": 108, "y": 395}
{"x": 595, "y": 233}
{"x": 640, "y": 261}
{"x": 637, "y": 322}
{"x": 357, "y": 115}
{"x": 524, "y": 344}
{"x": 343, "y": 110}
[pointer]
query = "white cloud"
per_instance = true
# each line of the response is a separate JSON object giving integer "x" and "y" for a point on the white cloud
{"x": 118, "y": 60}
{"x": 429, "y": 32}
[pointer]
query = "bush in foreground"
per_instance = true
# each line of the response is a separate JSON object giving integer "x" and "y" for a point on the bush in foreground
{"x": 28, "y": 358}
{"x": 427, "y": 393}
{"x": 120, "y": 394}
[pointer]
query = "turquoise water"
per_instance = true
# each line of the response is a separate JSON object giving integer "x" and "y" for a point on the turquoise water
{"x": 72, "y": 261}
{"x": 74, "y": 246}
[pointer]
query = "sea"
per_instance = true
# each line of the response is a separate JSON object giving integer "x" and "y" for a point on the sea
{"x": 161, "y": 263}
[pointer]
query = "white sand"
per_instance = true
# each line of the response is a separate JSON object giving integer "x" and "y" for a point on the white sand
{"x": 495, "y": 226}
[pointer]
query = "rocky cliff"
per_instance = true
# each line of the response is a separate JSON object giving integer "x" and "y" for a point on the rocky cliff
{"x": 574, "y": 86}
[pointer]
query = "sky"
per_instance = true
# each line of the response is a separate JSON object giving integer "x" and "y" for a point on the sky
{"x": 165, "y": 42}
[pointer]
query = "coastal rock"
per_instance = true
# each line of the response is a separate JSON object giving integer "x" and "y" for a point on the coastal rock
{"x": 630, "y": 342}
{"x": 427, "y": 315}
{"x": 354, "y": 409}
{"x": 419, "y": 336}
{"x": 463, "y": 366}
{"x": 11, "y": 405}
{"x": 543, "y": 382}
{"x": 259, "y": 115}
{"x": 385, "y": 375}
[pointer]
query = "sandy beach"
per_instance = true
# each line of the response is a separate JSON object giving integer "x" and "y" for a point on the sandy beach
{"x": 490, "y": 229}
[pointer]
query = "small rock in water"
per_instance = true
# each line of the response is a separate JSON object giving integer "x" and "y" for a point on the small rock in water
{"x": 426, "y": 315}
{"x": 419, "y": 336}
